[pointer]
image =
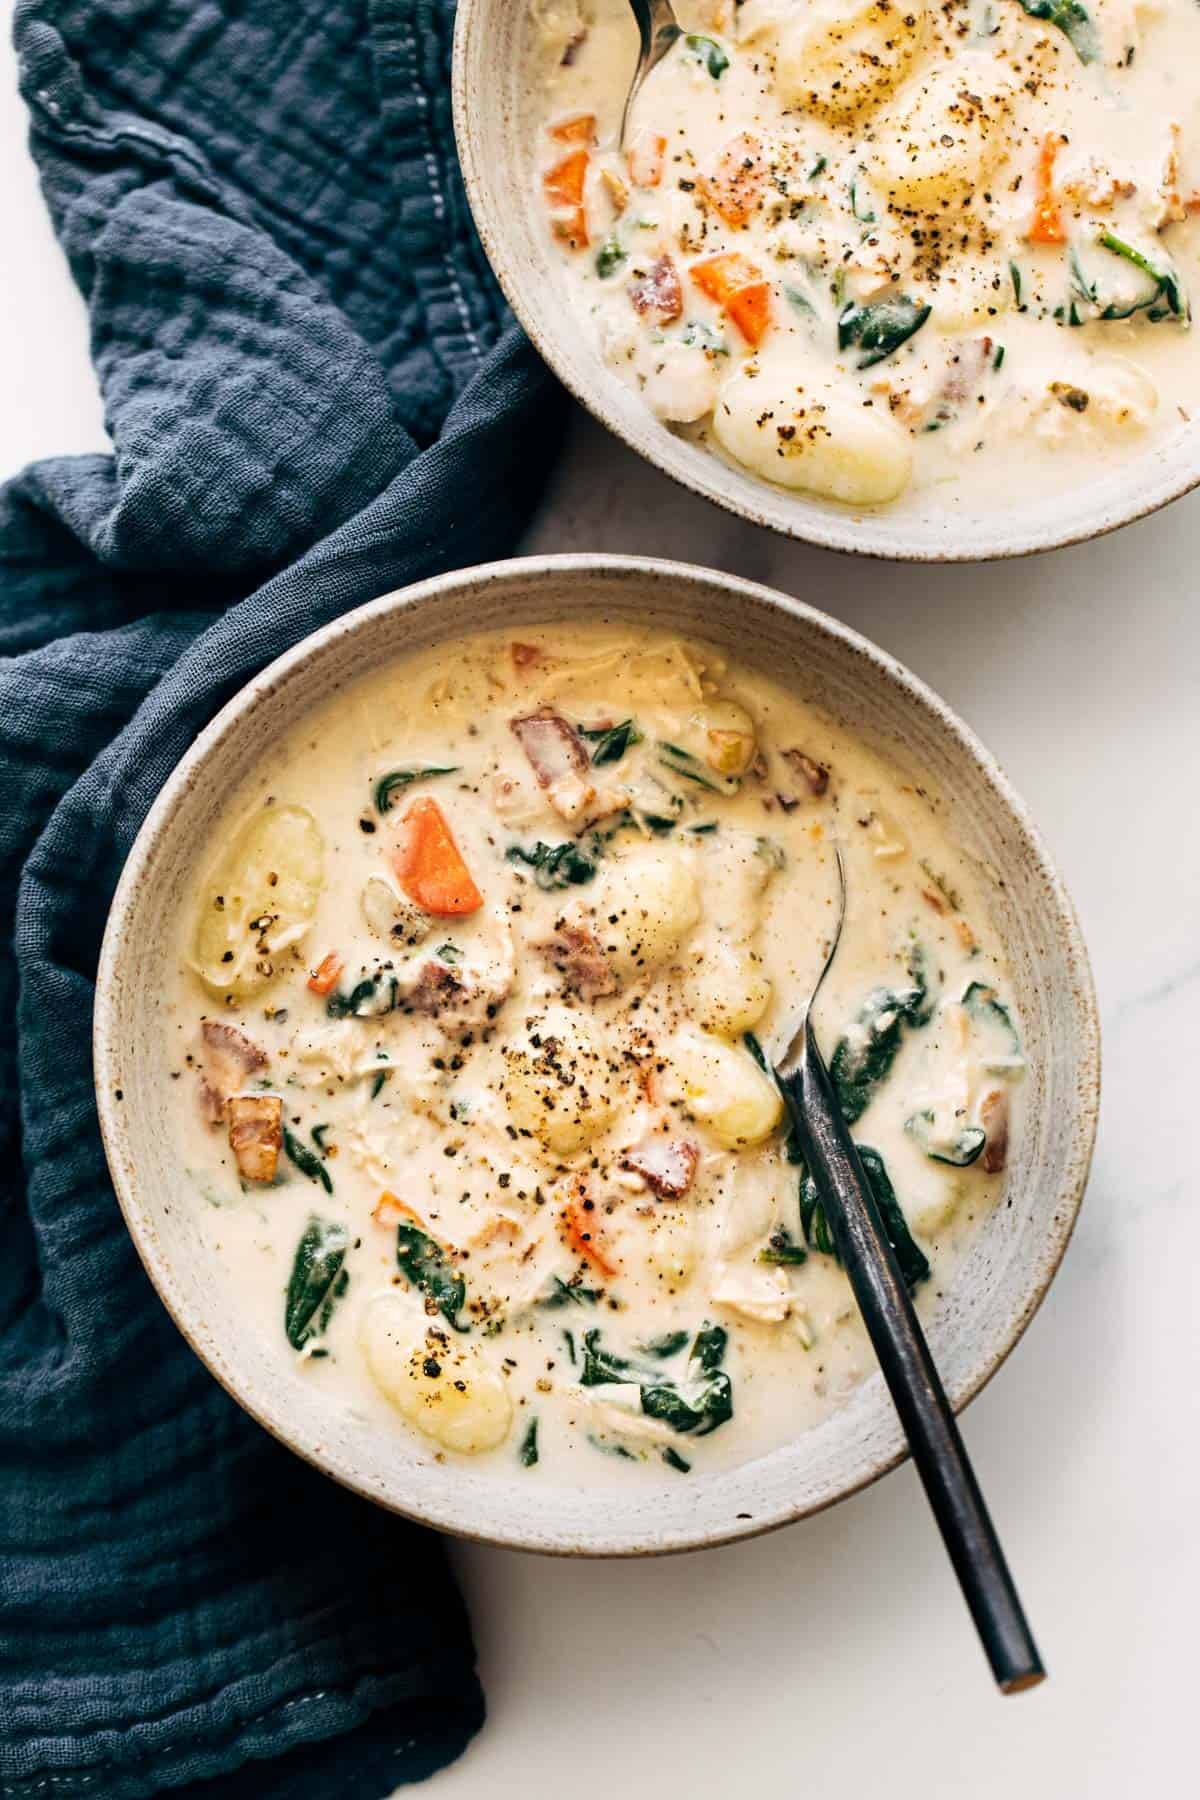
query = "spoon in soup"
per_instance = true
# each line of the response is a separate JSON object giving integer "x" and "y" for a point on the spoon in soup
{"x": 866, "y": 1254}
{"x": 659, "y": 30}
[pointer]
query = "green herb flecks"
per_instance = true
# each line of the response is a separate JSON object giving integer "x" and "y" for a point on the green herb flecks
{"x": 554, "y": 865}
{"x": 1073, "y": 20}
{"x": 318, "y": 1281}
{"x": 860, "y": 204}
{"x": 428, "y": 1267}
{"x": 528, "y": 1453}
{"x": 673, "y": 1460}
{"x": 569, "y": 1293}
{"x": 377, "y": 1082}
{"x": 609, "y": 258}
{"x": 359, "y": 1002}
{"x": 449, "y": 953}
{"x": 389, "y": 786}
{"x": 306, "y": 1160}
{"x": 880, "y": 328}
{"x": 610, "y": 742}
{"x": 709, "y": 52}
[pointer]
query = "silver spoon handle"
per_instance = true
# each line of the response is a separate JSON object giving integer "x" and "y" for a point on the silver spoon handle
{"x": 916, "y": 1388}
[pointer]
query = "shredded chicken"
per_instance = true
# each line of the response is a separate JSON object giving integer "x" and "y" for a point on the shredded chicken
{"x": 578, "y": 957}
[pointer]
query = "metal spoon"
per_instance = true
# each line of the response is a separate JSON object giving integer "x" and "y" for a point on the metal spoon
{"x": 883, "y": 1299}
{"x": 659, "y": 30}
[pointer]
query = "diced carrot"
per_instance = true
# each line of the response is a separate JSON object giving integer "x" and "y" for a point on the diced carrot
{"x": 645, "y": 158}
{"x": 580, "y": 128}
{"x": 572, "y": 229}
{"x": 750, "y": 310}
{"x": 563, "y": 183}
{"x": 584, "y": 1239}
{"x": 735, "y": 186}
{"x": 429, "y": 864}
{"x": 720, "y": 276}
{"x": 1046, "y": 226}
{"x": 736, "y": 283}
{"x": 390, "y": 1209}
{"x": 324, "y": 977}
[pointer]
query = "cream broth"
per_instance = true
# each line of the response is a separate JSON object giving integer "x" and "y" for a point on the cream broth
{"x": 872, "y": 250}
{"x": 466, "y": 1035}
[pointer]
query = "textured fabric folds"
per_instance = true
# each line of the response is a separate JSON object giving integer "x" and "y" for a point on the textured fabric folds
{"x": 314, "y": 395}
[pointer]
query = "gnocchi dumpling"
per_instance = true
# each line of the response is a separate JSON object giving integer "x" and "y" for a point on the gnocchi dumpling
{"x": 727, "y": 990}
{"x": 258, "y": 899}
{"x": 723, "y": 1087}
{"x": 837, "y": 57}
{"x": 645, "y": 907}
{"x": 944, "y": 142}
{"x": 810, "y": 432}
{"x": 440, "y": 1384}
{"x": 561, "y": 1082}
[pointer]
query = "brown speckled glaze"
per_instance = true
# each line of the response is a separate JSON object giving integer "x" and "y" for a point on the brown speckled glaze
{"x": 496, "y": 118}
{"x": 1006, "y": 1273}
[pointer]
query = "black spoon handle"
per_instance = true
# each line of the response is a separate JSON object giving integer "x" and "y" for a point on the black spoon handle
{"x": 937, "y": 1449}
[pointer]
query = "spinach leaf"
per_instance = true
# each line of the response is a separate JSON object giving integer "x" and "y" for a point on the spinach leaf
{"x": 610, "y": 742}
{"x": 701, "y": 1402}
{"x": 396, "y": 780}
{"x": 1165, "y": 278}
{"x": 959, "y": 1153}
{"x": 1073, "y": 20}
{"x": 317, "y": 1282}
{"x": 306, "y": 1160}
{"x": 377, "y": 1082}
{"x": 781, "y": 1251}
{"x": 982, "y": 1004}
{"x": 609, "y": 258}
{"x": 429, "y": 1268}
{"x": 346, "y": 1006}
{"x": 528, "y": 1452}
{"x": 554, "y": 865}
{"x": 708, "y": 1351}
{"x": 863, "y": 1058}
{"x": 690, "y": 768}
{"x": 601, "y": 1365}
{"x": 914, "y": 1265}
{"x": 710, "y": 53}
{"x": 879, "y": 329}
{"x": 669, "y": 1344}
{"x": 697, "y": 332}
{"x": 673, "y": 1460}
{"x": 569, "y": 1293}
{"x": 860, "y": 204}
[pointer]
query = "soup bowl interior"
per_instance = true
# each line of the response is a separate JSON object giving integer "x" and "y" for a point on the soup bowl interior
{"x": 498, "y": 113}
{"x": 1011, "y": 1261}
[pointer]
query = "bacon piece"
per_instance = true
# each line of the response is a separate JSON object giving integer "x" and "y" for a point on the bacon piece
{"x": 814, "y": 773}
{"x": 993, "y": 1116}
{"x": 461, "y": 1000}
{"x": 658, "y": 294}
{"x": 558, "y": 759}
{"x": 577, "y": 955}
{"x": 666, "y": 1165}
{"x": 256, "y": 1134}
{"x": 227, "y": 1060}
{"x": 735, "y": 186}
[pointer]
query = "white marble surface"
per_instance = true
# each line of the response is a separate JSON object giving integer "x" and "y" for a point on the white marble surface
{"x": 837, "y": 1653}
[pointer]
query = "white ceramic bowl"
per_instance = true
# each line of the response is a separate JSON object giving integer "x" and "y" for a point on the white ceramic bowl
{"x": 497, "y": 113}
{"x": 1005, "y": 1274}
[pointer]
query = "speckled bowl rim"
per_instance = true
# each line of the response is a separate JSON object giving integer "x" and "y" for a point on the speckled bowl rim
{"x": 523, "y": 574}
{"x": 832, "y": 529}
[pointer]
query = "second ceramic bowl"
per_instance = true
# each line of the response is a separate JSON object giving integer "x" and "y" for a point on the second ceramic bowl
{"x": 497, "y": 115}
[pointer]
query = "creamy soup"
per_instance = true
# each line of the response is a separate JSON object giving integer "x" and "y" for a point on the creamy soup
{"x": 473, "y": 1034}
{"x": 866, "y": 248}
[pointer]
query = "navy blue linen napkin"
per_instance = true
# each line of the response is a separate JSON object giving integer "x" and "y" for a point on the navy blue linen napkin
{"x": 314, "y": 395}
